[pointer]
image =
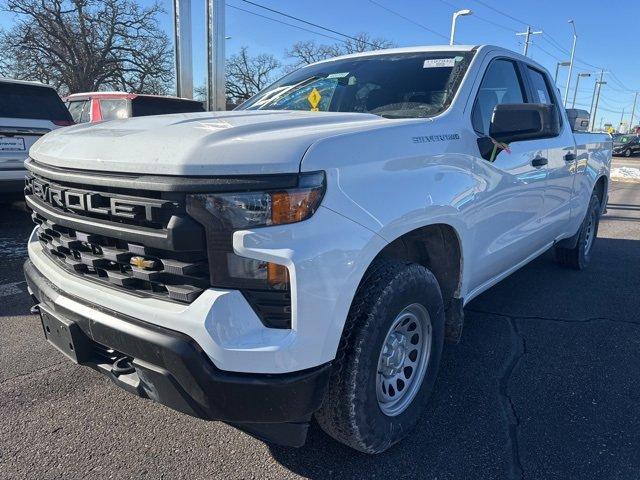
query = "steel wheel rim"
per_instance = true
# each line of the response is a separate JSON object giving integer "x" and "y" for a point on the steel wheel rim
{"x": 590, "y": 236}
{"x": 403, "y": 359}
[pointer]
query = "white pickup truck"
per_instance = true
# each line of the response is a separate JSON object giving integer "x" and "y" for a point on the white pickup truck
{"x": 307, "y": 254}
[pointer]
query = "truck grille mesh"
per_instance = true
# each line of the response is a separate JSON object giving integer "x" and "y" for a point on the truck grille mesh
{"x": 112, "y": 262}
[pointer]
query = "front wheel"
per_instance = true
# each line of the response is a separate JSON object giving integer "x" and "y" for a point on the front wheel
{"x": 627, "y": 153}
{"x": 388, "y": 359}
{"x": 580, "y": 256}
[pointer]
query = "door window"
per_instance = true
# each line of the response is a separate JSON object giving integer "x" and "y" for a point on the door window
{"x": 501, "y": 84}
{"x": 79, "y": 110}
{"x": 114, "y": 109}
{"x": 540, "y": 87}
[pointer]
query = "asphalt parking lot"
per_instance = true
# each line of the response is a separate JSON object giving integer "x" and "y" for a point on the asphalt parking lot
{"x": 545, "y": 384}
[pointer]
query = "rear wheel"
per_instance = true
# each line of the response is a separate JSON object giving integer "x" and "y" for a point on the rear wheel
{"x": 388, "y": 358}
{"x": 579, "y": 256}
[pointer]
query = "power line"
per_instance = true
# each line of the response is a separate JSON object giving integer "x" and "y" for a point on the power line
{"x": 409, "y": 20}
{"x": 284, "y": 23}
{"x": 272, "y": 10}
{"x": 502, "y": 13}
{"x": 483, "y": 19}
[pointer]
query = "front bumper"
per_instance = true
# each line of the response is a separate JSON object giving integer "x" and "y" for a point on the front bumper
{"x": 170, "y": 368}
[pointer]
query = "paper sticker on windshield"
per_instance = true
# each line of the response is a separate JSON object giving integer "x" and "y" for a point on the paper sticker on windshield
{"x": 314, "y": 99}
{"x": 439, "y": 63}
{"x": 338, "y": 75}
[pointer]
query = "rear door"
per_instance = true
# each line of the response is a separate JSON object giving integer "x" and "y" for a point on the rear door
{"x": 26, "y": 113}
{"x": 561, "y": 156}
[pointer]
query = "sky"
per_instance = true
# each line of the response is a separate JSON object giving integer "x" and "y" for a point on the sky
{"x": 608, "y": 34}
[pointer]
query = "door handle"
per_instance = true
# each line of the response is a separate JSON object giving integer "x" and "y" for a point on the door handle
{"x": 539, "y": 162}
{"x": 569, "y": 157}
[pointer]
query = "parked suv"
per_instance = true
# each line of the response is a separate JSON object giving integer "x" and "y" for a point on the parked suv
{"x": 28, "y": 110}
{"x": 100, "y": 106}
{"x": 308, "y": 254}
{"x": 626, "y": 145}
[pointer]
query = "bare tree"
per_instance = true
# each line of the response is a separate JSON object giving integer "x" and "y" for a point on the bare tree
{"x": 247, "y": 75}
{"x": 82, "y": 45}
{"x": 309, "y": 51}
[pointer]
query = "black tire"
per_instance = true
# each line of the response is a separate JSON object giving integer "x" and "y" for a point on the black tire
{"x": 579, "y": 257}
{"x": 627, "y": 153}
{"x": 350, "y": 412}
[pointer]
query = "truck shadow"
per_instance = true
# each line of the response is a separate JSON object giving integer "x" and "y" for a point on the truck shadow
{"x": 466, "y": 431}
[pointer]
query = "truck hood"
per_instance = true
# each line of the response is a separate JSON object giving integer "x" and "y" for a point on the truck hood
{"x": 220, "y": 143}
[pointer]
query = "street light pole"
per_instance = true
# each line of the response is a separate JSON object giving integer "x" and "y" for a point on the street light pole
{"x": 459, "y": 13}
{"x": 558, "y": 65}
{"x": 527, "y": 36}
{"x": 216, "y": 99}
{"x": 575, "y": 92}
{"x": 573, "y": 52}
{"x": 621, "y": 120}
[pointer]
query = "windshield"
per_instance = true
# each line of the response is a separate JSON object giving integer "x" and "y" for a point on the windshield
{"x": 408, "y": 85}
{"x": 624, "y": 139}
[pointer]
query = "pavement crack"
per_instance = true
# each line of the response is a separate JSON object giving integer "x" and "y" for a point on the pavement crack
{"x": 517, "y": 351}
{"x": 32, "y": 372}
{"x": 554, "y": 319}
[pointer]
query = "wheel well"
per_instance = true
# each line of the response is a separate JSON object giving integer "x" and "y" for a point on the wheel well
{"x": 436, "y": 247}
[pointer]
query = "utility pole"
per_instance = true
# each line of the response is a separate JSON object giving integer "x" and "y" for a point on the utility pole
{"x": 593, "y": 100}
{"x": 216, "y": 99}
{"x": 182, "y": 33}
{"x": 573, "y": 52}
{"x": 527, "y": 36}
{"x": 633, "y": 111}
{"x": 575, "y": 92}
{"x": 595, "y": 106}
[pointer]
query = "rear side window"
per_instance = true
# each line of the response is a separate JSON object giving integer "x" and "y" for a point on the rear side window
{"x": 80, "y": 110}
{"x": 540, "y": 87}
{"x": 143, "y": 106}
{"x": 31, "y": 101}
{"x": 501, "y": 84}
{"x": 114, "y": 109}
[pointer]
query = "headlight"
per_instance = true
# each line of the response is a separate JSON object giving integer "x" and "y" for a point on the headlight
{"x": 242, "y": 210}
{"x": 225, "y": 212}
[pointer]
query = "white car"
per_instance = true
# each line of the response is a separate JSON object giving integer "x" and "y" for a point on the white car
{"x": 28, "y": 110}
{"x": 308, "y": 253}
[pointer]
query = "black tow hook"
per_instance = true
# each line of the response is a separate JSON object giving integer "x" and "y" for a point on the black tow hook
{"x": 35, "y": 309}
{"x": 122, "y": 366}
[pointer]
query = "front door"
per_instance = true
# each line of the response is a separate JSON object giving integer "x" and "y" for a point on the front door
{"x": 510, "y": 200}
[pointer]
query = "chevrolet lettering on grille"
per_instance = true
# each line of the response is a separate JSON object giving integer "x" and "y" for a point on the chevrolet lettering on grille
{"x": 95, "y": 202}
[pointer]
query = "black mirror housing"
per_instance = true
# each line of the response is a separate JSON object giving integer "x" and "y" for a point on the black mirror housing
{"x": 512, "y": 122}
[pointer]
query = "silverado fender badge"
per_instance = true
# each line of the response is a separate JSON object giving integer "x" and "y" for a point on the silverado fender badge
{"x": 436, "y": 138}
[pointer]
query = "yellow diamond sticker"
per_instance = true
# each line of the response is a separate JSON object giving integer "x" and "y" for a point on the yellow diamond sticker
{"x": 314, "y": 99}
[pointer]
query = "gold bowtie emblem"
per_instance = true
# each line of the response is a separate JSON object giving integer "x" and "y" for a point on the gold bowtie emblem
{"x": 142, "y": 262}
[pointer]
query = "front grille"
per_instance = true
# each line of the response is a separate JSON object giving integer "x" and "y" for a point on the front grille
{"x": 111, "y": 261}
{"x": 137, "y": 234}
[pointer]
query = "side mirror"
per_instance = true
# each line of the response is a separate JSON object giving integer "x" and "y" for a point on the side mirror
{"x": 514, "y": 122}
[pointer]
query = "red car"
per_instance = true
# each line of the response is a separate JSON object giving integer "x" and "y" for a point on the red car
{"x": 99, "y": 106}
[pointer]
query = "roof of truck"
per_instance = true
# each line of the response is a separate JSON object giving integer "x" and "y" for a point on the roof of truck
{"x": 416, "y": 49}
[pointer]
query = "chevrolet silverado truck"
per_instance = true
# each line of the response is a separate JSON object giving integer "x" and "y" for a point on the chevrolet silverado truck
{"x": 306, "y": 255}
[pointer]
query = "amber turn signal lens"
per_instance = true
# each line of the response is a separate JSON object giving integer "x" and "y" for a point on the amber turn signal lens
{"x": 277, "y": 275}
{"x": 294, "y": 205}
